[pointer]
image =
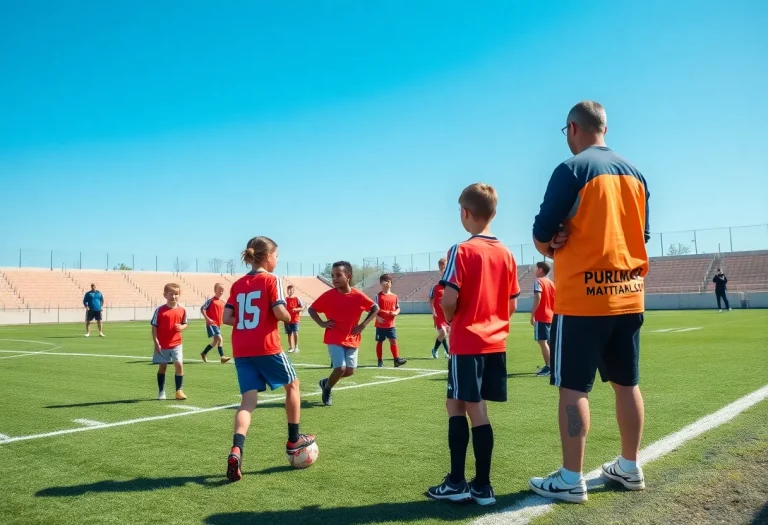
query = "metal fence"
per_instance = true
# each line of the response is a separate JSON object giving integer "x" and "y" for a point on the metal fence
{"x": 703, "y": 241}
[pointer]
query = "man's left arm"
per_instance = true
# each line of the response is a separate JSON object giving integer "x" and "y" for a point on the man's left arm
{"x": 562, "y": 192}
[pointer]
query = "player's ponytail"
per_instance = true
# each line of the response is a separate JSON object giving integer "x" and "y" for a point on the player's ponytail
{"x": 257, "y": 250}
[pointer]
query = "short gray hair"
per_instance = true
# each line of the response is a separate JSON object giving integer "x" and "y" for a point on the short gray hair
{"x": 589, "y": 115}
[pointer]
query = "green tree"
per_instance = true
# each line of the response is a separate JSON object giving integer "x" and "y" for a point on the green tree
{"x": 122, "y": 266}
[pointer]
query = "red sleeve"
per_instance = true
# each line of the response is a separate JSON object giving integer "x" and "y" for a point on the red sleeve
{"x": 365, "y": 302}
{"x": 275, "y": 291}
{"x": 514, "y": 284}
{"x": 454, "y": 269}
{"x": 320, "y": 305}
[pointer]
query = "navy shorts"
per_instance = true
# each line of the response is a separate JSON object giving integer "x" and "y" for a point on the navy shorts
{"x": 255, "y": 373}
{"x": 473, "y": 378}
{"x": 93, "y": 315}
{"x": 382, "y": 334}
{"x": 582, "y": 345}
{"x": 541, "y": 331}
{"x": 291, "y": 328}
{"x": 212, "y": 330}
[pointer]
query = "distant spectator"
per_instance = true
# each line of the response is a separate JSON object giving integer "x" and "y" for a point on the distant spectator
{"x": 720, "y": 281}
{"x": 93, "y": 302}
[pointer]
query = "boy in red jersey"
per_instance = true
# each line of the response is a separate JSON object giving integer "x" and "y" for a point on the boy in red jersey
{"x": 213, "y": 313}
{"x": 295, "y": 306}
{"x": 167, "y": 323}
{"x": 541, "y": 313}
{"x": 254, "y": 307}
{"x": 389, "y": 308}
{"x": 481, "y": 292}
{"x": 342, "y": 307}
{"x": 441, "y": 325}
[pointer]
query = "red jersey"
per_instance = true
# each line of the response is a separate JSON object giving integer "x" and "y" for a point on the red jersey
{"x": 387, "y": 303}
{"x": 344, "y": 310}
{"x": 291, "y": 303}
{"x": 435, "y": 296}
{"x": 214, "y": 309}
{"x": 166, "y": 319}
{"x": 252, "y": 298}
{"x": 546, "y": 290}
{"x": 484, "y": 273}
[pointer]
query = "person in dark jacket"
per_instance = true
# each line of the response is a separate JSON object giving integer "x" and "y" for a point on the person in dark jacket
{"x": 720, "y": 281}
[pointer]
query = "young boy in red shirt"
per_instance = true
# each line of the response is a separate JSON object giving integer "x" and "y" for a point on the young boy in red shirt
{"x": 441, "y": 325}
{"x": 213, "y": 313}
{"x": 542, "y": 313}
{"x": 295, "y": 306}
{"x": 167, "y": 323}
{"x": 389, "y": 308}
{"x": 342, "y": 307}
{"x": 481, "y": 291}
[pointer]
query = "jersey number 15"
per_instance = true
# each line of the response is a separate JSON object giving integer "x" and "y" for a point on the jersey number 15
{"x": 246, "y": 306}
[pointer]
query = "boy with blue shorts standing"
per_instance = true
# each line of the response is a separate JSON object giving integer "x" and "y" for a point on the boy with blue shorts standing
{"x": 213, "y": 313}
{"x": 342, "y": 307}
{"x": 255, "y": 306}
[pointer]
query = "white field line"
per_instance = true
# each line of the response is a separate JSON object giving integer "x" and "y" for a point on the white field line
{"x": 201, "y": 411}
{"x": 661, "y": 331}
{"x": 19, "y": 355}
{"x": 689, "y": 329}
{"x": 88, "y": 422}
{"x": 185, "y": 407}
{"x": 534, "y": 506}
{"x": 3, "y": 437}
{"x": 383, "y": 377}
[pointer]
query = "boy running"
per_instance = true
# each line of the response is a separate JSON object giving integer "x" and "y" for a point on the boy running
{"x": 342, "y": 307}
{"x": 481, "y": 292}
{"x": 167, "y": 323}
{"x": 213, "y": 312}
{"x": 295, "y": 306}
{"x": 254, "y": 307}
{"x": 441, "y": 325}
{"x": 389, "y": 308}
{"x": 541, "y": 313}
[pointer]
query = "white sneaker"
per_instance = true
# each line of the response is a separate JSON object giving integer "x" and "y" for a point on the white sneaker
{"x": 730, "y": 309}
{"x": 101, "y": 334}
{"x": 290, "y": 350}
{"x": 719, "y": 311}
{"x": 296, "y": 350}
{"x": 554, "y": 486}
{"x": 88, "y": 334}
{"x": 161, "y": 395}
{"x": 630, "y": 480}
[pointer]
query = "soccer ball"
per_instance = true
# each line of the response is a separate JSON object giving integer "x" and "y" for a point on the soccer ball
{"x": 304, "y": 457}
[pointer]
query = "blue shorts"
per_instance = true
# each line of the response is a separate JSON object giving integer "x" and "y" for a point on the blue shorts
{"x": 385, "y": 333}
{"x": 541, "y": 331}
{"x": 291, "y": 328}
{"x": 212, "y": 330}
{"x": 255, "y": 373}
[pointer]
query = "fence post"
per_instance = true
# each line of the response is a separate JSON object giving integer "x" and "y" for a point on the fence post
{"x": 411, "y": 262}
{"x": 155, "y": 262}
{"x": 51, "y": 260}
{"x": 661, "y": 240}
{"x": 429, "y": 261}
{"x": 107, "y": 260}
{"x": 695, "y": 244}
{"x": 81, "y": 261}
{"x": 133, "y": 261}
{"x": 730, "y": 237}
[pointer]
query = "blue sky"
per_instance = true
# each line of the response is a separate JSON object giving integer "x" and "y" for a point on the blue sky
{"x": 348, "y": 129}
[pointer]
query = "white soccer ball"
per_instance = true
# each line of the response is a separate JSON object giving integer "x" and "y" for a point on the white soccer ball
{"x": 305, "y": 457}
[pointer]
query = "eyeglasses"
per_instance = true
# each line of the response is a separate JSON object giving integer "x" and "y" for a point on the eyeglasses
{"x": 564, "y": 130}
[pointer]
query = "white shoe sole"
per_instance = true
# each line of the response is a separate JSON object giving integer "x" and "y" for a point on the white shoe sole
{"x": 456, "y": 498}
{"x": 563, "y": 496}
{"x": 629, "y": 485}
{"x": 484, "y": 502}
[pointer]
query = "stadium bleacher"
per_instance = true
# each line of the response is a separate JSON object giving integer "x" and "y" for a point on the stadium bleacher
{"x": 43, "y": 288}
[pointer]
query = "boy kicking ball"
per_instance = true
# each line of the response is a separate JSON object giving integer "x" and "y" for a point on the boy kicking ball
{"x": 168, "y": 322}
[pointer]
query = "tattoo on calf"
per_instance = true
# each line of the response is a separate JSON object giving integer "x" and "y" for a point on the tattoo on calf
{"x": 575, "y": 425}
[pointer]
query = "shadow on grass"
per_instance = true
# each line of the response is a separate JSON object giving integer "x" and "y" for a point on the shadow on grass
{"x": 99, "y": 403}
{"x": 280, "y": 403}
{"x": 131, "y": 485}
{"x": 761, "y": 518}
{"x": 412, "y": 511}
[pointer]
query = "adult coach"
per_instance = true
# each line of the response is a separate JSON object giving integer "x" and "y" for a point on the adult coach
{"x": 594, "y": 223}
{"x": 93, "y": 302}
{"x": 721, "y": 281}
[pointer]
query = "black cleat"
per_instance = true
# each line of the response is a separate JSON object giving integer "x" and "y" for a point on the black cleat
{"x": 482, "y": 495}
{"x": 456, "y": 492}
{"x": 400, "y": 362}
{"x": 327, "y": 401}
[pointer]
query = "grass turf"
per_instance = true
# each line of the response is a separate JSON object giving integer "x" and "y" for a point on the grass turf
{"x": 381, "y": 444}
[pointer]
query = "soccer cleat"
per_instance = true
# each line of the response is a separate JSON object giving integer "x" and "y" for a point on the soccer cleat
{"x": 304, "y": 441}
{"x": 327, "y": 401}
{"x": 88, "y": 334}
{"x": 482, "y": 495}
{"x": 456, "y": 492}
{"x": 224, "y": 359}
{"x": 543, "y": 371}
{"x": 630, "y": 480}
{"x": 290, "y": 350}
{"x": 180, "y": 395}
{"x": 719, "y": 311}
{"x": 400, "y": 362}
{"x": 730, "y": 309}
{"x": 101, "y": 334}
{"x": 161, "y": 395}
{"x": 296, "y": 350}
{"x": 233, "y": 465}
{"x": 380, "y": 364}
{"x": 204, "y": 357}
{"x": 554, "y": 486}
{"x": 434, "y": 353}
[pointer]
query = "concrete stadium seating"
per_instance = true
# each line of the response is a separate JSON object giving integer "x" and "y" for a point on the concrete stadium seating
{"x": 745, "y": 271}
{"x": 410, "y": 286}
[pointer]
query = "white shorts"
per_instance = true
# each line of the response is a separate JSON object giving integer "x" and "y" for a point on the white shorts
{"x": 342, "y": 356}
{"x": 167, "y": 356}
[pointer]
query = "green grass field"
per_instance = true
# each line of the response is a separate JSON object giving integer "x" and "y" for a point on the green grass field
{"x": 381, "y": 443}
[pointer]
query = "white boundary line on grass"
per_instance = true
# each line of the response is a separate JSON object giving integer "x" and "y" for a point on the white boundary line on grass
{"x": 88, "y": 422}
{"x": 534, "y": 506}
{"x": 201, "y": 411}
